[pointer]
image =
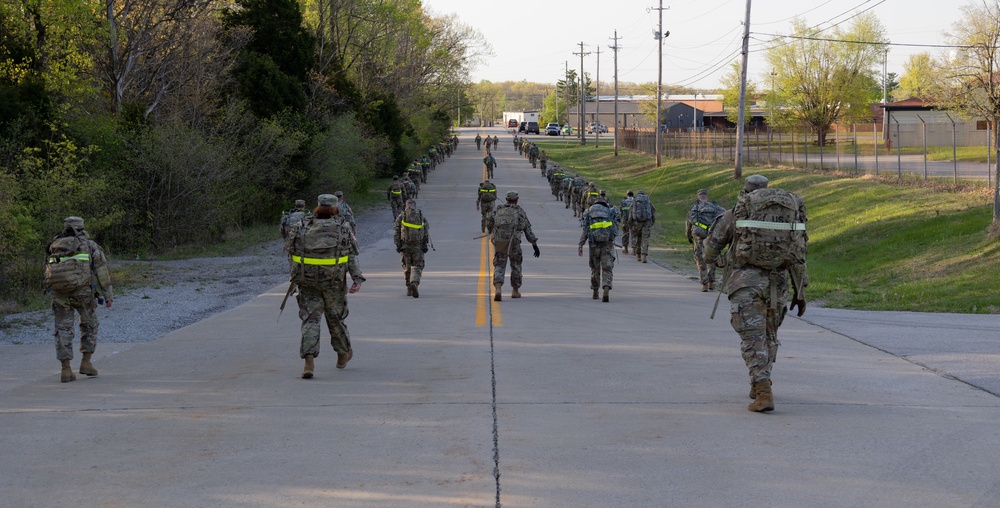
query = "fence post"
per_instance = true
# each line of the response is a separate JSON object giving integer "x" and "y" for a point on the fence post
{"x": 899, "y": 153}
{"x": 875, "y": 140}
{"x": 954, "y": 146}
{"x": 924, "y": 136}
{"x": 793, "y": 146}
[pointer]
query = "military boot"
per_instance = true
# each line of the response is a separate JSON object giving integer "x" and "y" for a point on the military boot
{"x": 413, "y": 289}
{"x": 343, "y": 358}
{"x": 66, "y": 375}
{"x": 763, "y": 398}
{"x": 704, "y": 288}
{"x": 496, "y": 292}
{"x": 514, "y": 293}
{"x": 87, "y": 368}
{"x": 625, "y": 249}
{"x": 607, "y": 294}
{"x": 595, "y": 294}
{"x": 307, "y": 371}
{"x": 643, "y": 258}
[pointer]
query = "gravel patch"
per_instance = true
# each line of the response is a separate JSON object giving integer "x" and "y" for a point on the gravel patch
{"x": 195, "y": 289}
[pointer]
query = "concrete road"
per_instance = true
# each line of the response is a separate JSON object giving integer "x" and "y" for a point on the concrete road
{"x": 552, "y": 400}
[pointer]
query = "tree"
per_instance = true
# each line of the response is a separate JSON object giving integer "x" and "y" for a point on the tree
{"x": 730, "y": 84}
{"x": 972, "y": 82}
{"x": 921, "y": 76}
{"x": 828, "y": 78}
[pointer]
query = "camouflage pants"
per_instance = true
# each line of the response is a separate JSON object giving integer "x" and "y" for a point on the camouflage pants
{"x": 397, "y": 206}
{"x": 485, "y": 208}
{"x": 516, "y": 257}
{"x": 640, "y": 236}
{"x": 413, "y": 264}
{"x": 706, "y": 272}
{"x": 602, "y": 264}
{"x": 556, "y": 190}
{"x": 757, "y": 324}
{"x": 625, "y": 233}
{"x": 489, "y": 170}
{"x": 569, "y": 198}
{"x": 64, "y": 307}
{"x": 331, "y": 302}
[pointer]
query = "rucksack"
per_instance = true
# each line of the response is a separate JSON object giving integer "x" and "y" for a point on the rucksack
{"x": 68, "y": 267}
{"x": 290, "y": 218}
{"x": 412, "y": 231}
{"x": 702, "y": 216}
{"x": 642, "y": 209}
{"x": 328, "y": 239}
{"x": 770, "y": 229}
{"x": 601, "y": 223}
{"x": 488, "y": 192}
{"x": 505, "y": 219}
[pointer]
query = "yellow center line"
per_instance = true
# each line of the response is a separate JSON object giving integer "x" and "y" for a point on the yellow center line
{"x": 485, "y": 284}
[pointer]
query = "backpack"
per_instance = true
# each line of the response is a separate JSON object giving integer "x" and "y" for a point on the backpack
{"x": 702, "y": 216}
{"x": 415, "y": 233}
{"x": 290, "y": 218}
{"x": 325, "y": 239}
{"x": 770, "y": 229}
{"x": 606, "y": 229}
{"x": 68, "y": 268}
{"x": 642, "y": 209}
{"x": 505, "y": 221}
{"x": 485, "y": 195}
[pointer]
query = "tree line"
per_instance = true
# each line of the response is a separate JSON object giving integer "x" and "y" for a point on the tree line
{"x": 167, "y": 122}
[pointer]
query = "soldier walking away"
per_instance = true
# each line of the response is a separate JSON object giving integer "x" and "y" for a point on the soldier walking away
{"x": 411, "y": 234}
{"x": 699, "y": 220}
{"x": 766, "y": 235}
{"x": 412, "y": 188}
{"x": 345, "y": 212}
{"x": 642, "y": 216}
{"x": 506, "y": 224}
{"x": 479, "y": 142}
{"x": 416, "y": 172}
{"x": 486, "y": 197}
{"x": 496, "y": 141}
{"x": 397, "y": 196}
{"x": 490, "y": 163}
{"x": 625, "y": 206}
{"x": 320, "y": 248}
{"x": 543, "y": 158}
{"x": 600, "y": 227}
{"x": 533, "y": 156}
{"x": 292, "y": 216}
{"x": 347, "y": 215}
{"x": 77, "y": 276}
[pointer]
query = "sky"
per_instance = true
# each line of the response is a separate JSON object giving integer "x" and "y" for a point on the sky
{"x": 535, "y": 40}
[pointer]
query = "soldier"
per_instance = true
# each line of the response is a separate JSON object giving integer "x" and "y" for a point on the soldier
{"x": 320, "y": 248}
{"x": 479, "y": 141}
{"x": 397, "y": 196}
{"x": 600, "y": 227}
{"x": 489, "y": 162}
{"x": 642, "y": 216}
{"x": 699, "y": 219}
{"x": 533, "y": 156}
{"x": 566, "y": 189}
{"x": 486, "y": 197}
{"x": 625, "y": 205}
{"x": 346, "y": 212}
{"x": 291, "y": 217}
{"x": 517, "y": 143}
{"x": 412, "y": 187}
{"x": 766, "y": 236}
{"x": 543, "y": 159}
{"x": 416, "y": 173}
{"x": 578, "y": 184}
{"x": 78, "y": 278}
{"x": 411, "y": 234}
{"x": 506, "y": 224}
{"x": 496, "y": 141}
{"x": 425, "y": 167}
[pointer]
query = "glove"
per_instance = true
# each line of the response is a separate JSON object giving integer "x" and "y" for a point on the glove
{"x": 424, "y": 249}
{"x": 690, "y": 240}
{"x": 537, "y": 252}
{"x": 354, "y": 288}
{"x": 579, "y": 251}
{"x": 399, "y": 249}
{"x": 801, "y": 304}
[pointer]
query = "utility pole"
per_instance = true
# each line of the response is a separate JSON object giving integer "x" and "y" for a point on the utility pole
{"x": 615, "y": 48}
{"x": 597, "y": 102}
{"x": 583, "y": 96}
{"x": 659, "y": 36}
{"x": 740, "y": 127}
{"x": 566, "y": 90}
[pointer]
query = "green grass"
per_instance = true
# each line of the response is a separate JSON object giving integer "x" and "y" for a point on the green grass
{"x": 873, "y": 244}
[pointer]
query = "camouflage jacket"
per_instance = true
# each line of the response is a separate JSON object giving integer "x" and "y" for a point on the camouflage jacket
{"x": 721, "y": 235}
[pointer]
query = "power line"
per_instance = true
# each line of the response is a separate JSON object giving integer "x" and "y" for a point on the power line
{"x": 946, "y": 46}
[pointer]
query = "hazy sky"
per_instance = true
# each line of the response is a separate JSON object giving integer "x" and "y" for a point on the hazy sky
{"x": 533, "y": 40}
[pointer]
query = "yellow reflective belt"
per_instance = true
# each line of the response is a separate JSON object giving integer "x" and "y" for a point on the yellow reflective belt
{"x": 700, "y": 225}
{"x": 397, "y": 192}
{"x": 594, "y": 193}
{"x": 763, "y": 224}
{"x": 78, "y": 257}
{"x": 414, "y": 226}
{"x": 319, "y": 261}
{"x": 487, "y": 190}
{"x": 600, "y": 225}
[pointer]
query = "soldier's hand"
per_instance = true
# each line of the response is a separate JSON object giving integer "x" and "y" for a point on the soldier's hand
{"x": 579, "y": 251}
{"x": 477, "y": 208}
{"x": 690, "y": 240}
{"x": 399, "y": 249}
{"x": 801, "y": 304}
{"x": 107, "y": 304}
{"x": 535, "y": 247}
{"x": 354, "y": 288}
{"x": 424, "y": 249}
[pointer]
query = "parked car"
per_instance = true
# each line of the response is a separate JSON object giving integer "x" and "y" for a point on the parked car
{"x": 512, "y": 123}
{"x": 520, "y": 128}
{"x": 531, "y": 128}
{"x": 596, "y": 126}
{"x": 552, "y": 129}
{"x": 567, "y": 130}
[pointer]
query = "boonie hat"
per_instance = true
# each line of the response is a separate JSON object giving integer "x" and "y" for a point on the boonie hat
{"x": 328, "y": 200}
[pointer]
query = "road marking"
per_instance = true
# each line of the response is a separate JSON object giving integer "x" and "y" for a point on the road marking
{"x": 483, "y": 297}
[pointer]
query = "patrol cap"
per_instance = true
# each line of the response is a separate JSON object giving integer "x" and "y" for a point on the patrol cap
{"x": 603, "y": 193}
{"x": 754, "y": 182}
{"x": 702, "y": 191}
{"x": 328, "y": 200}
{"x": 511, "y": 195}
{"x": 630, "y": 193}
{"x": 73, "y": 222}
{"x": 395, "y": 177}
{"x": 300, "y": 203}
{"x": 339, "y": 194}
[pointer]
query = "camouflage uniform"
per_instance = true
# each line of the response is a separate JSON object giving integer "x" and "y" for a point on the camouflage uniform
{"x": 566, "y": 189}
{"x": 489, "y": 162}
{"x": 543, "y": 158}
{"x": 496, "y": 141}
{"x": 80, "y": 300}
{"x": 486, "y": 196}
{"x": 408, "y": 223}
{"x": 706, "y": 271}
{"x": 347, "y": 215}
{"x": 321, "y": 278}
{"x": 757, "y": 299}
{"x": 397, "y": 196}
{"x": 641, "y": 230}
{"x": 504, "y": 250}
{"x": 602, "y": 254}
{"x": 292, "y": 216}
{"x": 479, "y": 142}
{"x": 626, "y": 203}
{"x": 412, "y": 188}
